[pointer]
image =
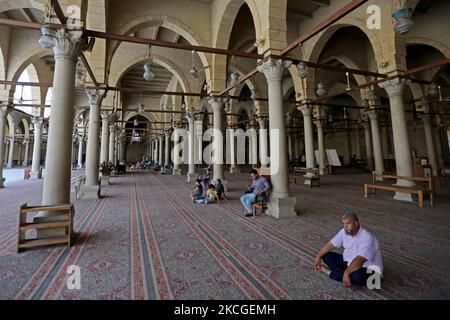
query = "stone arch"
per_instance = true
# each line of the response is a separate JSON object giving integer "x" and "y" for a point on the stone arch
{"x": 319, "y": 42}
{"x": 167, "y": 22}
{"x": 444, "y": 49}
{"x": 28, "y": 58}
{"x": 26, "y": 126}
{"x": 230, "y": 9}
{"x": 222, "y": 35}
{"x": 339, "y": 87}
{"x": 125, "y": 67}
{"x": 236, "y": 91}
{"x": 149, "y": 116}
{"x": 2, "y": 65}
{"x": 6, "y": 5}
{"x": 11, "y": 124}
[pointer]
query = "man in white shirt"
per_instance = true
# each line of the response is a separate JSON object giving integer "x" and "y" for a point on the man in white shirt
{"x": 361, "y": 252}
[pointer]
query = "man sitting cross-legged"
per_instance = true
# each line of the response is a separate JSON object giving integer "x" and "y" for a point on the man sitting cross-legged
{"x": 258, "y": 187}
{"x": 361, "y": 251}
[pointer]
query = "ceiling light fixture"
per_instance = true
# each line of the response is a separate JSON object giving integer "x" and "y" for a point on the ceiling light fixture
{"x": 48, "y": 32}
{"x": 148, "y": 74}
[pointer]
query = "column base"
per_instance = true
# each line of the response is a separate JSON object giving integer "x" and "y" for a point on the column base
{"x": 191, "y": 177}
{"x": 35, "y": 176}
{"x": 24, "y": 164}
{"x": 176, "y": 172}
{"x": 233, "y": 170}
{"x": 91, "y": 192}
{"x": 378, "y": 178}
{"x": 282, "y": 208}
{"x": 401, "y": 196}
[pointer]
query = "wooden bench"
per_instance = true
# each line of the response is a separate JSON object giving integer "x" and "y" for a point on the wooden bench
{"x": 301, "y": 173}
{"x": 419, "y": 191}
{"x": 23, "y": 243}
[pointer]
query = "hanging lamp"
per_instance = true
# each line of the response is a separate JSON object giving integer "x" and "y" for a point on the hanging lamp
{"x": 402, "y": 18}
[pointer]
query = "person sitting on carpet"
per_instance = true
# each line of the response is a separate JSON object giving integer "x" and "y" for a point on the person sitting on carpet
{"x": 197, "y": 192}
{"x": 211, "y": 196}
{"x": 220, "y": 190}
{"x": 361, "y": 252}
{"x": 259, "y": 186}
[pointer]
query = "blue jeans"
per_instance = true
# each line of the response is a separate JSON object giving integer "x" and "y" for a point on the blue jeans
{"x": 247, "y": 201}
{"x": 337, "y": 265}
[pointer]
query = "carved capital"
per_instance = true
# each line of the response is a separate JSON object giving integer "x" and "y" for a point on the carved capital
{"x": 393, "y": 87}
{"x": 306, "y": 110}
{"x": 69, "y": 45}
{"x": 95, "y": 96}
{"x": 217, "y": 104}
{"x": 4, "y": 110}
{"x": 273, "y": 69}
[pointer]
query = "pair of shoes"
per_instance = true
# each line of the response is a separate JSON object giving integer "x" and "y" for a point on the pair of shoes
{"x": 249, "y": 215}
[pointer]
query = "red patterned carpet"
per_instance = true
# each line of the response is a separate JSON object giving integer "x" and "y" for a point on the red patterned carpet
{"x": 146, "y": 240}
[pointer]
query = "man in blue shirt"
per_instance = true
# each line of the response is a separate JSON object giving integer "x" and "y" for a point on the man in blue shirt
{"x": 258, "y": 187}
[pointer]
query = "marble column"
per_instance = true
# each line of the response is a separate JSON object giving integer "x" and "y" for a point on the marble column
{"x": 58, "y": 166}
{"x": 80, "y": 151}
{"x": 3, "y": 113}
{"x": 281, "y": 204}
{"x": 358, "y": 143}
{"x": 36, "y": 163}
{"x": 263, "y": 156}
{"x": 104, "y": 149}
{"x": 321, "y": 142}
{"x": 377, "y": 148}
{"x": 91, "y": 188}
{"x": 161, "y": 148}
{"x": 192, "y": 175}
{"x": 368, "y": 138}
{"x": 176, "y": 152}
{"x": 112, "y": 143}
{"x": 438, "y": 147}
{"x": 11, "y": 153}
{"x": 157, "y": 151}
{"x": 167, "y": 148}
{"x": 123, "y": 140}
{"x": 217, "y": 105}
{"x": 254, "y": 148}
{"x": 309, "y": 137}
{"x": 232, "y": 145}
{"x": 27, "y": 151}
{"x": 431, "y": 151}
{"x": 5, "y": 158}
{"x": 402, "y": 149}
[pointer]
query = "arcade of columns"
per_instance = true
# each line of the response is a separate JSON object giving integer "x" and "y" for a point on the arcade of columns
{"x": 111, "y": 146}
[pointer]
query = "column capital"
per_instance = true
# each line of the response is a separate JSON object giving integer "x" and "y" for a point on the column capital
{"x": 366, "y": 125}
{"x": 190, "y": 115}
{"x": 372, "y": 114}
{"x": 426, "y": 118}
{"x": 37, "y": 122}
{"x": 393, "y": 87}
{"x": 105, "y": 115}
{"x": 262, "y": 122}
{"x": 273, "y": 69}
{"x": 319, "y": 123}
{"x": 95, "y": 96}
{"x": 306, "y": 110}
{"x": 69, "y": 45}
{"x": 217, "y": 103}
